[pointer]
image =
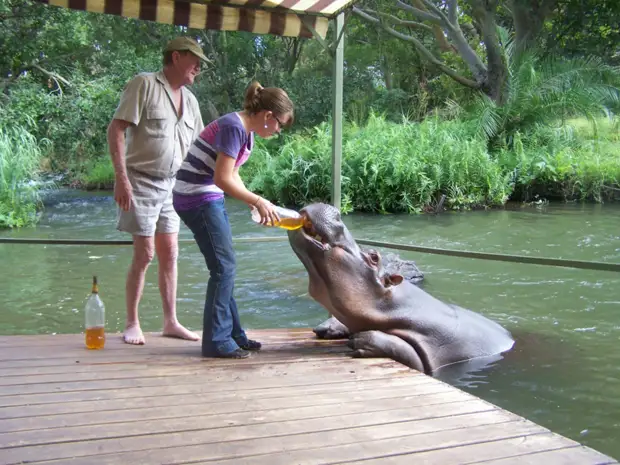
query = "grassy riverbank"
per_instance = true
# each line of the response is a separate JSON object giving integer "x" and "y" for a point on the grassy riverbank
{"x": 387, "y": 167}
{"x": 20, "y": 157}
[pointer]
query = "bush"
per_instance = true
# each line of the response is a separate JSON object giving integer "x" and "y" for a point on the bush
{"x": 20, "y": 156}
{"x": 75, "y": 124}
{"x": 564, "y": 164}
{"x": 386, "y": 167}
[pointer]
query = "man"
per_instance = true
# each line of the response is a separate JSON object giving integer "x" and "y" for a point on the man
{"x": 161, "y": 119}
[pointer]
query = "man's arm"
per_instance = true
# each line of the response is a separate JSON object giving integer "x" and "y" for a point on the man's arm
{"x": 116, "y": 143}
{"x": 129, "y": 112}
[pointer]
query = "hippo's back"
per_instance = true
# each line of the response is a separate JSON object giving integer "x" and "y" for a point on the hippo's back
{"x": 472, "y": 336}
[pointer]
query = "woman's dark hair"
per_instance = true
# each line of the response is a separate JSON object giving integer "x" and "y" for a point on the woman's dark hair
{"x": 273, "y": 99}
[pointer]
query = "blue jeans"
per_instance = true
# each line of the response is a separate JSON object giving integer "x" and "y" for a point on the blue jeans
{"x": 222, "y": 332}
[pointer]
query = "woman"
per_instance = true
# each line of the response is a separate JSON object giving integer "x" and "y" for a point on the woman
{"x": 210, "y": 170}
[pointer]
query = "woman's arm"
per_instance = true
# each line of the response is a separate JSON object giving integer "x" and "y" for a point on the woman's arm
{"x": 227, "y": 178}
{"x": 237, "y": 177}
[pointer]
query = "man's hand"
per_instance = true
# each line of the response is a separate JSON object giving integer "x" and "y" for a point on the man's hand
{"x": 123, "y": 192}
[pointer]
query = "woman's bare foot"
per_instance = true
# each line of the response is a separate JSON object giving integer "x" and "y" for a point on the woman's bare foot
{"x": 133, "y": 335}
{"x": 177, "y": 330}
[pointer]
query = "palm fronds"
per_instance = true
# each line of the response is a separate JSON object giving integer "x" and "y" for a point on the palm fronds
{"x": 546, "y": 91}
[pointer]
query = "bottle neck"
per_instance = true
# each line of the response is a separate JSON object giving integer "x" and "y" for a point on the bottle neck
{"x": 95, "y": 289}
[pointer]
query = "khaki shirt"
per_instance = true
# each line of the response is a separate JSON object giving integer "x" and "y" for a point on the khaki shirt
{"x": 158, "y": 139}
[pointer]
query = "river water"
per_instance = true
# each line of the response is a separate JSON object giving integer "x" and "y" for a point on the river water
{"x": 564, "y": 372}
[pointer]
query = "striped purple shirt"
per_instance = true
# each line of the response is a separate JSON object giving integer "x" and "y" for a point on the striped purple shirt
{"x": 194, "y": 184}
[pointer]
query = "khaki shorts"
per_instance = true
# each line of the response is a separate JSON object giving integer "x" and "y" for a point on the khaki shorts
{"x": 151, "y": 207}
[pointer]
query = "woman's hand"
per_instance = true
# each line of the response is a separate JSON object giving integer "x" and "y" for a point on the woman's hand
{"x": 267, "y": 211}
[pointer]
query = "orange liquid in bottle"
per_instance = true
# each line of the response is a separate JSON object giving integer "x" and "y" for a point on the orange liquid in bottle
{"x": 290, "y": 223}
{"x": 95, "y": 338}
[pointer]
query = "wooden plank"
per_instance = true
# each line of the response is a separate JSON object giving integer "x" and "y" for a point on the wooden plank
{"x": 138, "y": 355}
{"x": 115, "y": 341}
{"x": 239, "y": 374}
{"x": 300, "y": 400}
{"x": 96, "y": 373}
{"x": 400, "y": 443}
{"x": 68, "y": 352}
{"x": 283, "y": 348}
{"x": 247, "y": 441}
{"x": 287, "y": 332}
{"x": 268, "y": 336}
{"x": 244, "y": 413}
{"x": 152, "y": 398}
{"x": 69, "y": 347}
{"x": 376, "y": 399}
{"x": 194, "y": 387}
{"x": 32, "y": 339}
{"x": 475, "y": 453}
{"x": 576, "y": 455}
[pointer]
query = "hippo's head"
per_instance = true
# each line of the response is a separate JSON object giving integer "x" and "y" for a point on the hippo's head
{"x": 342, "y": 278}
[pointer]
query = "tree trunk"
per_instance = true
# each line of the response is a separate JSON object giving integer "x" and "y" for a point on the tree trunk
{"x": 294, "y": 47}
{"x": 494, "y": 83}
{"x": 387, "y": 74}
{"x": 529, "y": 17}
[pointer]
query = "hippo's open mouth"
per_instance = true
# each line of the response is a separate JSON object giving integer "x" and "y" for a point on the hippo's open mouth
{"x": 323, "y": 232}
{"x": 313, "y": 236}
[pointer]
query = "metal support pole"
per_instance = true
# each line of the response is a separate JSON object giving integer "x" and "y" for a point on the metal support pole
{"x": 337, "y": 91}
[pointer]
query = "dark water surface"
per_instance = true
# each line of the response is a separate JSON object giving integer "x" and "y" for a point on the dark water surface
{"x": 563, "y": 374}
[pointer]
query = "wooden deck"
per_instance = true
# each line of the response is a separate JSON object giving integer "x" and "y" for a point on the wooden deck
{"x": 299, "y": 401}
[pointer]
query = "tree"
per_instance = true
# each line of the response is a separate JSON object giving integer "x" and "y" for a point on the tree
{"x": 585, "y": 27}
{"x": 468, "y": 30}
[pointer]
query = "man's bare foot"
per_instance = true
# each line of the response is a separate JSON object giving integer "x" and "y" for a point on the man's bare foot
{"x": 133, "y": 335}
{"x": 179, "y": 331}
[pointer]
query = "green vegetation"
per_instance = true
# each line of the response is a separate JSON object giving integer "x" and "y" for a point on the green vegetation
{"x": 386, "y": 167}
{"x": 511, "y": 111}
{"x": 567, "y": 163}
{"x": 390, "y": 167}
{"x": 20, "y": 156}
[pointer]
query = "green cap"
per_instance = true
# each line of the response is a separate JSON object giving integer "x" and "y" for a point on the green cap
{"x": 185, "y": 44}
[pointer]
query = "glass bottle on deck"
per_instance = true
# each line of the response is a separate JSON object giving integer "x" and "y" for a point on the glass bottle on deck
{"x": 289, "y": 219}
{"x": 94, "y": 314}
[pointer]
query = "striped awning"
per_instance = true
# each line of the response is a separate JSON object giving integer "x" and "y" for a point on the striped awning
{"x": 277, "y": 17}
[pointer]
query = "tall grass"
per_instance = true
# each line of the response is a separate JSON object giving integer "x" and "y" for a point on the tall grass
{"x": 566, "y": 163}
{"x": 20, "y": 157}
{"x": 386, "y": 167}
{"x": 408, "y": 167}
{"x": 98, "y": 174}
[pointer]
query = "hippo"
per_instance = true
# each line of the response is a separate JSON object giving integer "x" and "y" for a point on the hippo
{"x": 393, "y": 264}
{"x": 382, "y": 314}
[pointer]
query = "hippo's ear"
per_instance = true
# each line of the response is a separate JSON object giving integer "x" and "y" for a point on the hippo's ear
{"x": 392, "y": 280}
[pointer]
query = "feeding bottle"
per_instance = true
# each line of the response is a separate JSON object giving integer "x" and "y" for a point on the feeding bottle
{"x": 94, "y": 314}
{"x": 289, "y": 219}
